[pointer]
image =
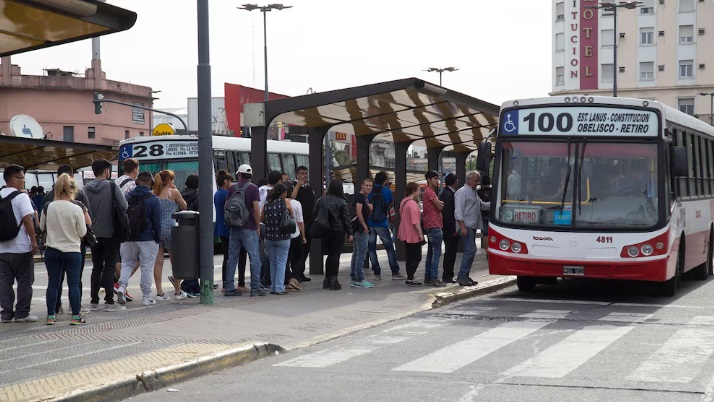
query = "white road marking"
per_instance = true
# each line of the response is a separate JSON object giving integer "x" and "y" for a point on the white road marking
{"x": 460, "y": 354}
{"x": 548, "y": 314}
{"x": 585, "y": 302}
{"x": 473, "y": 394}
{"x": 325, "y": 358}
{"x": 625, "y": 317}
{"x": 570, "y": 353}
{"x": 688, "y": 348}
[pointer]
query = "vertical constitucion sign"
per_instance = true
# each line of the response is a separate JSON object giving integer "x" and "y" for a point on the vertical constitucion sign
{"x": 589, "y": 32}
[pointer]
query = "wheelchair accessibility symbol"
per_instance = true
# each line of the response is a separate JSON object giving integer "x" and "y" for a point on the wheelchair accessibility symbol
{"x": 509, "y": 126}
{"x": 127, "y": 152}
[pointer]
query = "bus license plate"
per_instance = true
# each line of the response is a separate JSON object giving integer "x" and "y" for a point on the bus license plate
{"x": 573, "y": 270}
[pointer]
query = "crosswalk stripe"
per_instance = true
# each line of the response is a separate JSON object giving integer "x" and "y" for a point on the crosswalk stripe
{"x": 690, "y": 348}
{"x": 325, "y": 358}
{"x": 460, "y": 354}
{"x": 568, "y": 354}
{"x": 547, "y": 314}
{"x": 625, "y": 317}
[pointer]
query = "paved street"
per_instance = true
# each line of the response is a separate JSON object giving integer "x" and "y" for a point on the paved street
{"x": 584, "y": 341}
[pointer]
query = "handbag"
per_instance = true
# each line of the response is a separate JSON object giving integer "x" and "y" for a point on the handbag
{"x": 287, "y": 224}
{"x": 321, "y": 224}
{"x": 89, "y": 238}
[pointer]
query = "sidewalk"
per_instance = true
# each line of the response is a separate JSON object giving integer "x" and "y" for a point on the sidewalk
{"x": 148, "y": 347}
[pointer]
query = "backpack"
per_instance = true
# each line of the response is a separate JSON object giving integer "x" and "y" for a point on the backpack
{"x": 120, "y": 220}
{"x": 9, "y": 227}
{"x": 379, "y": 207}
{"x": 236, "y": 212}
{"x": 137, "y": 217}
{"x": 321, "y": 225}
{"x": 121, "y": 185}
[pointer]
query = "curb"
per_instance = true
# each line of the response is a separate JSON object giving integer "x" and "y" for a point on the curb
{"x": 152, "y": 380}
{"x": 442, "y": 299}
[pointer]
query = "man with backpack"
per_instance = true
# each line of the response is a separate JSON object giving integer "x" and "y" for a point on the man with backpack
{"x": 126, "y": 183}
{"x": 17, "y": 245}
{"x": 242, "y": 215}
{"x": 381, "y": 198}
{"x": 144, "y": 211}
{"x": 103, "y": 194}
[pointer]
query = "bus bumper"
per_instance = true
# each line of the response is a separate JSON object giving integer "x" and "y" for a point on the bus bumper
{"x": 650, "y": 270}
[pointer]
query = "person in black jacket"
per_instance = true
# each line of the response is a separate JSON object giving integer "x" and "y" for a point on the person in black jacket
{"x": 451, "y": 235}
{"x": 340, "y": 226}
{"x": 190, "y": 193}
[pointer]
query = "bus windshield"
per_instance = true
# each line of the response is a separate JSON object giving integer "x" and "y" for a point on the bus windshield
{"x": 578, "y": 184}
{"x": 180, "y": 168}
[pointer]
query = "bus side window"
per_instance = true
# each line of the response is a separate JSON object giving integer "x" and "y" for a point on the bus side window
{"x": 231, "y": 159}
{"x": 303, "y": 160}
{"x": 274, "y": 162}
{"x": 243, "y": 158}
{"x": 289, "y": 165}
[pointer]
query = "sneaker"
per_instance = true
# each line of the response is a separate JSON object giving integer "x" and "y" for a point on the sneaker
{"x": 113, "y": 307}
{"x": 232, "y": 293}
{"x": 180, "y": 296}
{"x": 29, "y": 318}
{"x": 354, "y": 284}
{"x": 365, "y": 284}
{"x": 163, "y": 297}
{"x": 437, "y": 283}
{"x": 294, "y": 284}
{"x": 6, "y": 320}
{"x": 452, "y": 280}
{"x": 466, "y": 282}
{"x": 260, "y": 292}
{"x": 116, "y": 287}
{"x": 93, "y": 306}
{"x": 412, "y": 282}
{"x": 242, "y": 289}
{"x": 148, "y": 302}
{"x": 377, "y": 277}
{"x": 191, "y": 295}
{"x": 127, "y": 296}
{"x": 51, "y": 320}
{"x": 77, "y": 320}
{"x": 120, "y": 295}
{"x": 397, "y": 277}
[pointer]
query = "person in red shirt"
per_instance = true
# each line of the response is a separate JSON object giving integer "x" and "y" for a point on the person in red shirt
{"x": 410, "y": 231}
{"x": 433, "y": 223}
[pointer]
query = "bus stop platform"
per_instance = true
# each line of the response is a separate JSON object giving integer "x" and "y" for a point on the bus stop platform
{"x": 120, "y": 354}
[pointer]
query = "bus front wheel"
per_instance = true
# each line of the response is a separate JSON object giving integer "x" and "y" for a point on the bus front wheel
{"x": 526, "y": 283}
{"x": 702, "y": 272}
{"x": 669, "y": 288}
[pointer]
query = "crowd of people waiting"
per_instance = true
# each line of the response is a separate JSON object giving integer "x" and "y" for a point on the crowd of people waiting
{"x": 270, "y": 227}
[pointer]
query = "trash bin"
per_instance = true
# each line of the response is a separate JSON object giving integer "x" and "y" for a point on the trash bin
{"x": 184, "y": 239}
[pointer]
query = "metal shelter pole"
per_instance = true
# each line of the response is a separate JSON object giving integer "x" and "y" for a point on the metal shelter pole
{"x": 315, "y": 140}
{"x": 433, "y": 157}
{"x": 205, "y": 152}
{"x": 614, "y": 57}
{"x": 265, "y": 50}
{"x": 259, "y": 152}
{"x": 461, "y": 166}
{"x": 400, "y": 187}
{"x": 363, "y": 144}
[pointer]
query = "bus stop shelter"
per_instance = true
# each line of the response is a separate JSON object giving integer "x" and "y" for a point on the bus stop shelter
{"x": 406, "y": 112}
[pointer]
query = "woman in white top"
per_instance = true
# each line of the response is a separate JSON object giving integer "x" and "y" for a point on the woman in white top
{"x": 295, "y": 267}
{"x": 65, "y": 224}
{"x": 170, "y": 199}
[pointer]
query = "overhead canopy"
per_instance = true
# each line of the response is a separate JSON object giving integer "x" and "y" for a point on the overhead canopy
{"x": 399, "y": 111}
{"x": 34, "y": 24}
{"x": 48, "y": 155}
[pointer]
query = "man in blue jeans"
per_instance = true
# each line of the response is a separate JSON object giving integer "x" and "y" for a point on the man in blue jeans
{"x": 433, "y": 222}
{"x": 381, "y": 198}
{"x": 467, "y": 211}
{"x": 245, "y": 237}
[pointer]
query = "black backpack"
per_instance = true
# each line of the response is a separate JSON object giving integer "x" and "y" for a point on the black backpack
{"x": 120, "y": 220}
{"x": 379, "y": 207}
{"x": 9, "y": 228}
{"x": 137, "y": 217}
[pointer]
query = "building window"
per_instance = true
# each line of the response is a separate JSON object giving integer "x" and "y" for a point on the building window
{"x": 686, "y": 34}
{"x": 91, "y": 133}
{"x": 559, "y": 76}
{"x": 647, "y": 71}
{"x": 68, "y": 133}
{"x": 606, "y": 72}
{"x": 686, "y": 6}
{"x": 559, "y": 42}
{"x": 560, "y": 11}
{"x": 686, "y": 68}
{"x": 686, "y": 105}
{"x": 646, "y": 36}
{"x": 607, "y": 37}
{"x": 647, "y": 10}
{"x": 126, "y": 134}
{"x": 141, "y": 133}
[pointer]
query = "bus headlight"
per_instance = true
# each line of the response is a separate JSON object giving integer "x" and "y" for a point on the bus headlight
{"x": 504, "y": 244}
{"x": 659, "y": 245}
{"x": 647, "y": 249}
{"x": 516, "y": 247}
{"x": 633, "y": 251}
{"x": 493, "y": 239}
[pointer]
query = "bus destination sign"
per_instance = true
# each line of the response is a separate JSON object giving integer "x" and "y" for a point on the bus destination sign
{"x": 579, "y": 121}
{"x": 159, "y": 150}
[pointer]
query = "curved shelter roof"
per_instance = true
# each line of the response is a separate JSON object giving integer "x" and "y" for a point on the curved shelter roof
{"x": 406, "y": 110}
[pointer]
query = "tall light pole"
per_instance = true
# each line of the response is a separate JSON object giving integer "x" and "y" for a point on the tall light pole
{"x": 264, "y": 10}
{"x": 711, "y": 105}
{"x": 610, "y": 6}
{"x": 440, "y": 71}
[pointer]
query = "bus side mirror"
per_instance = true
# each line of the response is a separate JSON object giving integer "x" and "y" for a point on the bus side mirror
{"x": 483, "y": 159}
{"x": 679, "y": 157}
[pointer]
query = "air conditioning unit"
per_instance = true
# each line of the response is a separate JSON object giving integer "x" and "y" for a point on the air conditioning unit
{"x": 661, "y": 33}
{"x": 660, "y": 67}
{"x": 701, "y": 31}
{"x": 622, "y": 69}
{"x": 702, "y": 66}
{"x": 622, "y": 34}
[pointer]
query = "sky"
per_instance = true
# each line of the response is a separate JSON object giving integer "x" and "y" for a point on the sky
{"x": 502, "y": 48}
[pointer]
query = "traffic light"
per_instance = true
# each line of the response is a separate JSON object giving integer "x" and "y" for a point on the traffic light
{"x": 97, "y": 103}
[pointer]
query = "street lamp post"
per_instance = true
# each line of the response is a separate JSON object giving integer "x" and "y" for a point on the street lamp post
{"x": 441, "y": 70}
{"x": 610, "y": 6}
{"x": 264, "y": 10}
{"x": 711, "y": 105}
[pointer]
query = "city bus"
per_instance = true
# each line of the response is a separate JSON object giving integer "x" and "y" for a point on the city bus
{"x": 600, "y": 187}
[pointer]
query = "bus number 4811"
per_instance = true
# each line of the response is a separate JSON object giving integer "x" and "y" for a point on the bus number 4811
{"x": 604, "y": 239}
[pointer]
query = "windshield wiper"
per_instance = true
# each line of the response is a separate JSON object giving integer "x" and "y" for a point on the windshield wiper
{"x": 580, "y": 177}
{"x": 567, "y": 176}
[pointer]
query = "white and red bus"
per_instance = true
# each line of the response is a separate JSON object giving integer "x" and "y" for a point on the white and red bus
{"x": 600, "y": 187}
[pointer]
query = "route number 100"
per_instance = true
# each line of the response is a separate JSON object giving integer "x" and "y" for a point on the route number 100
{"x": 546, "y": 121}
